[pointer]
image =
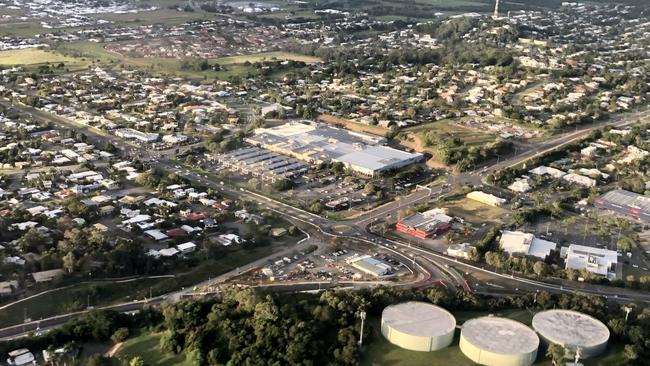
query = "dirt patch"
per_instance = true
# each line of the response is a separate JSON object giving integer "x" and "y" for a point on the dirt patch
{"x": 352, "y": 126}
{"x": 413, "y": 141}
{"x": 111, "y": 352}
{"x": 476, "y": 212}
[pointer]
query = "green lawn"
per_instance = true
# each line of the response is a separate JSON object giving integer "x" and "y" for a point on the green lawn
{"x": 33, "y": 56}
{"x": 21, "y": 28}
{"x": 147, "y": 346}
{"x": 233, "y": 65}
{"x": 75, "y": 298}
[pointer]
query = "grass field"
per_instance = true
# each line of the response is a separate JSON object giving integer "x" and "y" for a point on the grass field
{"x": 146, "y": 345}
{"x": 233, "y": 65}
{"x": 21, "y": 28}
{"x": 33, "y": 56}
{"x": 379, "y": 352}
{"x": 414, "y": 138}
{"x": 446, "y": 127}
{"x": 74, "y": 299}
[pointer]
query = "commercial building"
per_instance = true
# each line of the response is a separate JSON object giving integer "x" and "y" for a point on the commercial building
{"x": 425, "y": 224}
{"x": 494, "y": 341}
{"x": 626, "y": 203}
{"x": 262, "y": 163}
{"x": 378, "y": 159}
{"x": 579, "y": 180}
{"x": 595, "y": 260}
{"x": 315, "y": 143}
{"x": 131, "y": 134}
{"x": 370, "y": 265}
{"x": 486, "y": 198}
{"x": 418, "y": 326}
{"x": 572, "y": 330}
{"x": 459, "y": 250}
{"x": 517, "y": 242}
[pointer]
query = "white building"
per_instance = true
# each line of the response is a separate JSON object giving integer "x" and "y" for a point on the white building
{"x": 517, "y": 242}
{"x": 185, "y": 248}
{"x": 459, "y": 250}
{"x": 595, "y": 260}
{"x": 21, "y": 357}
{"x": 579, "y": 180}
{"x": 545, "y": 170}
{"x": 486, "y": 198}
{"x": 520, "y": 185}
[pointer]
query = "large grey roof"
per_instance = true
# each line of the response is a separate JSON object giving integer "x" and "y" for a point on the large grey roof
{"x": 628, "y": 199}
{"x": 419, "y": 319}
{"x": 500, "y": 335}
{"x": 568, "y": 327}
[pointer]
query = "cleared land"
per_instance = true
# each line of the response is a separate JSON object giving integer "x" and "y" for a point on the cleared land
{"x": 416, "y": 138}
{"x": 476, "y": 212}
{"x": 351, "y": 125}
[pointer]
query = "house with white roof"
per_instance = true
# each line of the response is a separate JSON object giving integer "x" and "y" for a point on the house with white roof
{"x": 185, "y": 248}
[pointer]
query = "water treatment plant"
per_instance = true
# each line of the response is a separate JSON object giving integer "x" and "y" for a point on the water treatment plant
{"x": 418, "y": 326}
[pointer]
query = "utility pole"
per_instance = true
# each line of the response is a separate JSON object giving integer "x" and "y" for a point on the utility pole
{"x": 628, "y": 310}
{"x": 362, "y": 315}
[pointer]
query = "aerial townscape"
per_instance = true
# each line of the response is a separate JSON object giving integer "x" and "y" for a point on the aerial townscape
{"x": 332, "y": 182}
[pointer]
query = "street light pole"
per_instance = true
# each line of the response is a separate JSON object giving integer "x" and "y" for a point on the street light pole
{"x": 362, "y": 315}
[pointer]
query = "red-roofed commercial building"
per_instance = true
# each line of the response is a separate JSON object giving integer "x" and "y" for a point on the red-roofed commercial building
{"x": 425, "y": 224}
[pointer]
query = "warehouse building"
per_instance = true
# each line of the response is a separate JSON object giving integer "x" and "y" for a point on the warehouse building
{"x": 425, "y": 224}
{"x": 517, "y": 242}
{"x": 486, "y": 198}
{"x": 494, "y": 341}
{"x": 262, "y": 163}
{"x": 572, "y": 330}
{"x": 315, "y": 143}
{"x": 595, "y": 260}
{"x": 378, "y": 159}
{"x": 418, "y": 326}
{"x": 370, "y": 265}
{"x": 626, "y": 203}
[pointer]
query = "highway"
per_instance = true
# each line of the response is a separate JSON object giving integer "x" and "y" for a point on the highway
{"x": 429, "y": 266}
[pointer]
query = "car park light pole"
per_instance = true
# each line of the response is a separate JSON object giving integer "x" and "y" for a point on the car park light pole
{"x": 362, "y": 315}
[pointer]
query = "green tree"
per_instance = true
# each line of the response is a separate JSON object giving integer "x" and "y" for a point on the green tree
{"x": 120, "y": 335}
{"x": 136, "y": 361}
{"x": 539, "y": 268}
{"x": 316, "y": 207}
{"x": 70, "y": 262}
{"x": 625, "y": 244}
{"x": 557, "y": 354}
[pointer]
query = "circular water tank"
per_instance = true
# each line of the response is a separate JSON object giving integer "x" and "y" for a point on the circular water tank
{"x": 494, "y": 341}
{"x": 572, "y": 330}
{"x": 418, "y": 326}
